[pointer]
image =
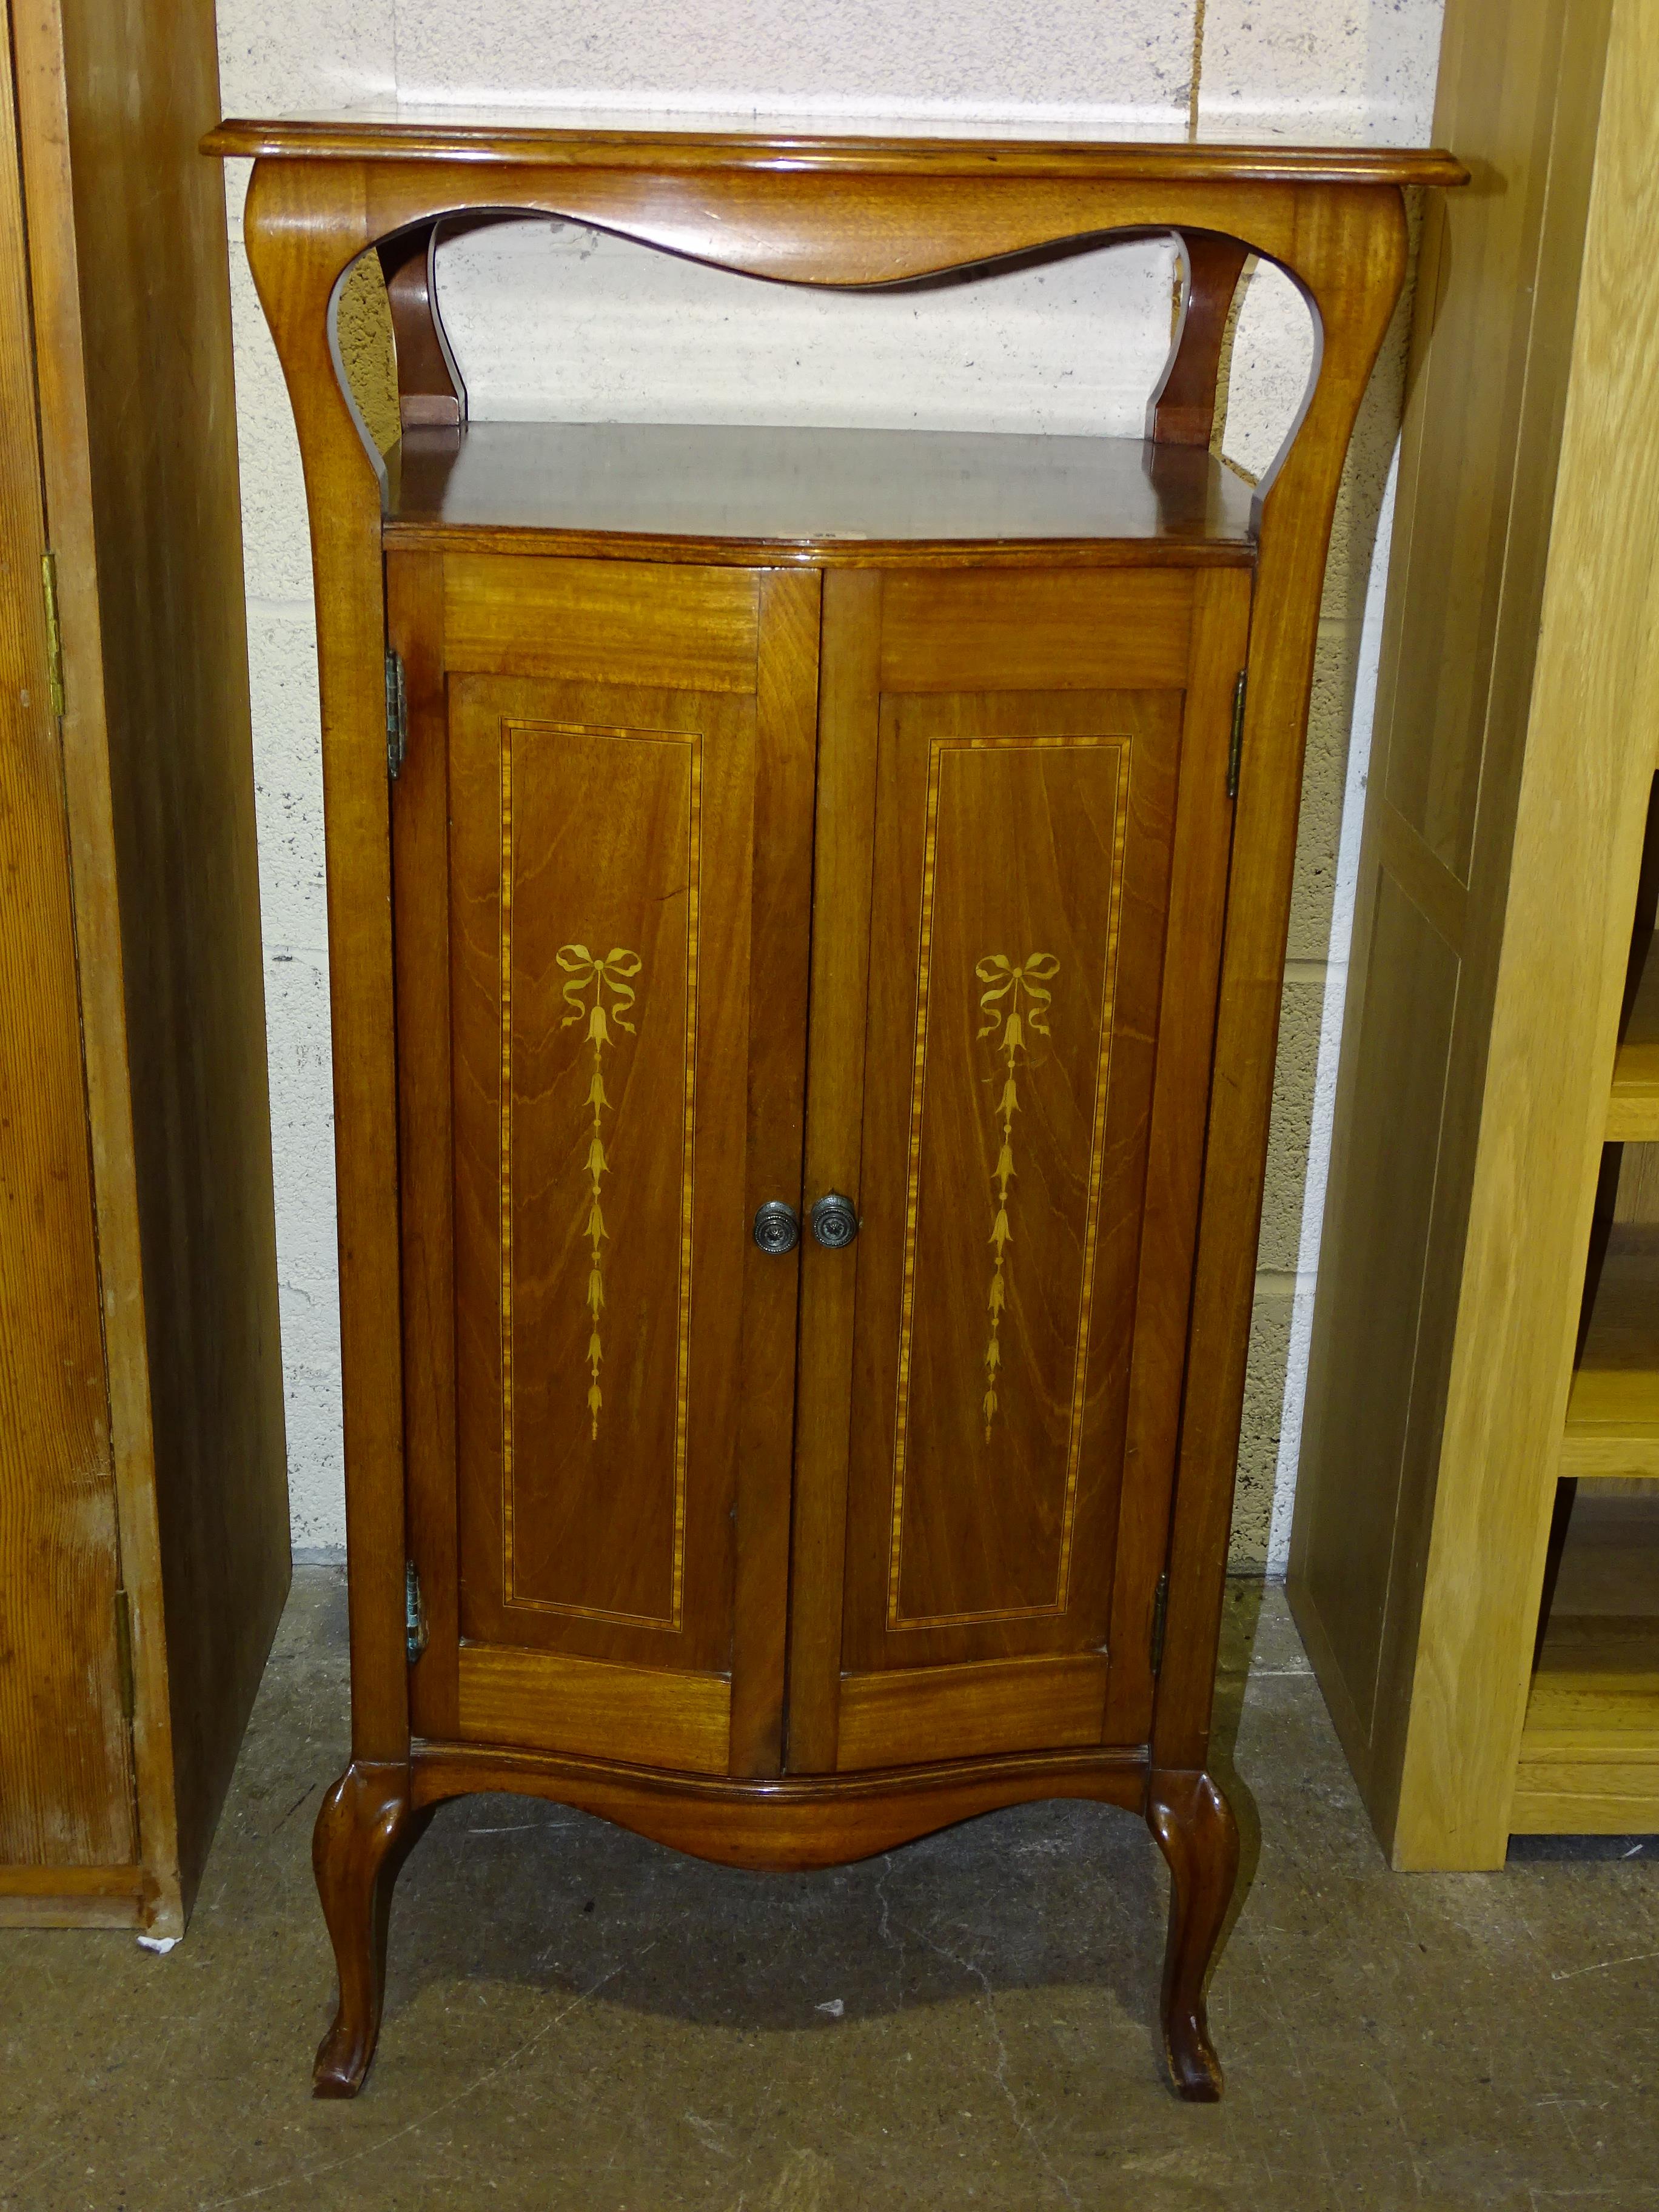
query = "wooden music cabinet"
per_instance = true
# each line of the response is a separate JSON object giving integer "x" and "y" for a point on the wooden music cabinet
{"x": 805, "y": 1005}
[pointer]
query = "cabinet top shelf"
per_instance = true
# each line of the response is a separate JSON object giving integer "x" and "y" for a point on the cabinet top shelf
{"x": 830, "y": 495}
{"x": 531, "y": 139}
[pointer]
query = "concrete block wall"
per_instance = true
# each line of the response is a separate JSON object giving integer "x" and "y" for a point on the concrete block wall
{"x": 555, "y": 320}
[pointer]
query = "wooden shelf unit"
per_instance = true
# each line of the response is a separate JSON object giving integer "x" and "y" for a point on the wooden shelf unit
{"x": 1589, "y": 1748}
{"x": 1633, "y": 1109}
{"x": 1613, "y": 1406}
{"x": 1501, "y": 1037}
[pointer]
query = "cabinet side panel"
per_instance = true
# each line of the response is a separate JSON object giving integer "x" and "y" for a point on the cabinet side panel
{"x": 142, "y": 85}
{"x": 65, "y": 1784}
{"x": 1497, "y": 296}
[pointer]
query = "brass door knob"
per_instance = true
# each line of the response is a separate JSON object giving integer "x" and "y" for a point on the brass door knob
{"x": 777, "y": 1226}
{"x": 835, "y": 1221}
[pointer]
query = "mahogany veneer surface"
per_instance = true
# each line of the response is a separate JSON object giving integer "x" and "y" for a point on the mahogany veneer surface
{"x": 798, "y": 486}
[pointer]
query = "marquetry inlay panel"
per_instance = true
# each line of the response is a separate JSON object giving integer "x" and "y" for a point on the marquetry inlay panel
{"x": 598, "y": 1118}
{"x": 600, "y": 853}
{"x": 1021, "y": 856}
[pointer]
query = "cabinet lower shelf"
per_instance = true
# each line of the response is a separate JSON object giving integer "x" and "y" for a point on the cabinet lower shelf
{"x": 1589, "y": 1752}
{"x": 1613, "y": 1409}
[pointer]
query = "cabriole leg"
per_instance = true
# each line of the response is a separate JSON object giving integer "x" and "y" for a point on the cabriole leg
{"x": 365, "y": 1831}
{"x": 1196, "y": 1832}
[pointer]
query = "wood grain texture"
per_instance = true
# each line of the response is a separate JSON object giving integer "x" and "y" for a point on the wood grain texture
{"x": 585, "y": 621}
{"x": 733, "y": 493}
{"x": 1097, "y": 706}
{"x": 780, "y": 937}
{"x": 995, "y": 1294}
{"x": 843, "y": 853}
{"x": 78, "y": 1897}
{"x": 788, "y": 1824}
{"x": 155, "y": 410}
{"x": 297, "y": 251}
{"x": 366, "y": 1828}
{"x": 512, "y": 139}
{"x": 1195, "y": 1831}
{"x": 1612, "y": 1424}
{"x": 640, "y": 1716}
{"x": 888, "y": 1719}
{"x": 1175, "y": 1152}
{"x": 66, "y": 1785}
{"x": 1043, "y": 633}
{"x": 1181, "y": 412}
{"x": 1350, "y": 256}
{"x": 1633, "y": 1101}
{"x": 1478, "y": 478}
{"x": 1548, "y": 707}
{"x": 419, "y": 822}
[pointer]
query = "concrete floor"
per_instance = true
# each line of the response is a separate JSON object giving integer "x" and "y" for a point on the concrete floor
{"x": 576, "y": 2018}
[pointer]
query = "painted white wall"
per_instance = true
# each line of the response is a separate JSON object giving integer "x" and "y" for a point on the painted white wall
{"x": 554, "y": 320}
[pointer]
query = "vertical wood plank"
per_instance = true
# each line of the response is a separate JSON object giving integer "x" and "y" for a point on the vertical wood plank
{"x": 1198, "y": 892}
{"x": 420, "y": 880}
{"x": 843, "y": 853}
{"x": 303, "y": 230}
{"x": 66, "y": 1780}
{"x": 786, "y": 746}
{"x": 1349, "y": 255}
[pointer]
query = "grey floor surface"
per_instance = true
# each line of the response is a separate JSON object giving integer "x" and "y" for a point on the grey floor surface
{"x": 576, "y": 2018}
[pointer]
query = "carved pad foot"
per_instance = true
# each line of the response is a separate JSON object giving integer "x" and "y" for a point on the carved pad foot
{"x": 365, "y": 1831}
{"x": 1196, "y": 1832}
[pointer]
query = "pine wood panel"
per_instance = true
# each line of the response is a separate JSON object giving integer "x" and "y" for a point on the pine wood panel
{"x": 129, "y": 301}
{"x": 65, "y": 1771}
{"x": 155, "y": 364}
{"x": 642, "y": 1716}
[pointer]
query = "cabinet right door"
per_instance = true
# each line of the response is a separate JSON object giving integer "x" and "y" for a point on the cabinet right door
{"x": 1023, "y": 838}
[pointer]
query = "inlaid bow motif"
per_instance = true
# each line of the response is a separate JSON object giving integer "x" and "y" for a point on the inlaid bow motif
{"x": 1017, "y": 1001}
{"x": 607, "y": 976}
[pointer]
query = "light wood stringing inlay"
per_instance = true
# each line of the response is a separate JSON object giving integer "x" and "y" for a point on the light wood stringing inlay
{"x": 938, "y": 750}
{"x": 610, "y": 971}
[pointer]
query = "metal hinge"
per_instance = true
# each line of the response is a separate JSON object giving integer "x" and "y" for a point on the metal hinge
{"x": 414, "y": 1613}
{"x": 124, "y": 1651}
{"x": 397, "y": 714}
{"x": 1235, "y": 750}
{"x": 1160, "y": 1609}
{"x": 54, "y": 634}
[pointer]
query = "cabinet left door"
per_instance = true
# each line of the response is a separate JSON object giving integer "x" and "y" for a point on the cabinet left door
{"x": 602, "y": 868}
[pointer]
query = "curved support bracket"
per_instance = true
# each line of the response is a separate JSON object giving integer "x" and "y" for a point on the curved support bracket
{"x": 1182, "y": 411}
{"x": 431, "y": 391}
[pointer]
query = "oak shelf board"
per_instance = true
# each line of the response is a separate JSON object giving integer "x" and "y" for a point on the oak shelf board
{"x": 522, "y": 138}
{"x": 716, "y": 491}
{"x": 1613, "y": 1407}
{"x": 1589, "y": 1760}
{"x": 1633, "y": 1107}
